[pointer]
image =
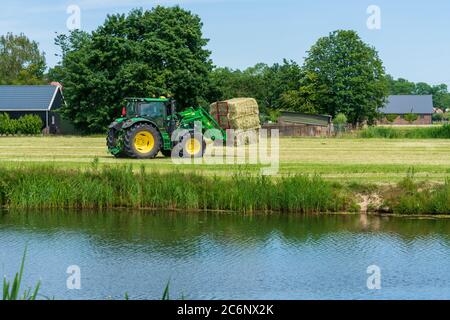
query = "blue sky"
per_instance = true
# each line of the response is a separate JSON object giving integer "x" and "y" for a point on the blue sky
{"x": 414, "y": 39}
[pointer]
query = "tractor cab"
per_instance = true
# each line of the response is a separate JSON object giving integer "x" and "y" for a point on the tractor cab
{"x": 147, "y": 108}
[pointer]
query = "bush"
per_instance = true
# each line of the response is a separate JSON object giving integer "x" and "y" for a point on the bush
{"x": 411, "y": 117}
{"x": 28, "y": 124}
{"x": 446, "y": 116}
{"x": 413, "y": 198}
{"x": 339, "y": 122}
{"x": 7, "y": 125}
{"x": 438, "y": 117}
{"x": 380, "y": 132}
{"x": 391, "y": 117}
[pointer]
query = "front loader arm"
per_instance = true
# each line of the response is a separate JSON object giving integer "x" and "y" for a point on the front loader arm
{"x": 199, "y": 114}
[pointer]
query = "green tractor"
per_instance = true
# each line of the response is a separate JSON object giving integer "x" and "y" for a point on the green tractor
{"x": 147, "y": 127}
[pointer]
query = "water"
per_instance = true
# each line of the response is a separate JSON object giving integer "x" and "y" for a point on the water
{"x": 228, "y": 256}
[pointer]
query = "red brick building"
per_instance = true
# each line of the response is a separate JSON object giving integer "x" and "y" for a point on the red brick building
{"x": 399, "y": 108}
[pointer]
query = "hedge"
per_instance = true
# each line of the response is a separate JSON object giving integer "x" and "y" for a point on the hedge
{"x": 28, "y": 124}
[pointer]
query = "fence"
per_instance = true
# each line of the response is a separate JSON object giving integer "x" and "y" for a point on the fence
{"x": 300, "y": 130}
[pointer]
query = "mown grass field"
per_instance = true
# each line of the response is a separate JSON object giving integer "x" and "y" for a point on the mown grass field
{"x": 345, "y": 159}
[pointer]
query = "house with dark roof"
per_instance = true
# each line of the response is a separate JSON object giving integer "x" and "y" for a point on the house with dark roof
{"x": 41, "y": 100}
{"x": 398, "y": 107}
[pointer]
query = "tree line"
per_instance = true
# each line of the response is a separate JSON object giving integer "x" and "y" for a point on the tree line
{"x": 163, "y": 52}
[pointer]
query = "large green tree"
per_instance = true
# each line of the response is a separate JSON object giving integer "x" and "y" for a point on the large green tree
{"x": 263, "y": 82}
{"x": 145, "y": 53}
{"x": 21, "y": 62}
{"x": 342, "y": 74}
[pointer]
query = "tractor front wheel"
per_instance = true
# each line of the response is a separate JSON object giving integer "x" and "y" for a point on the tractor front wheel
{"x": 142, "y": 141}
{"x": 194, "y": 146}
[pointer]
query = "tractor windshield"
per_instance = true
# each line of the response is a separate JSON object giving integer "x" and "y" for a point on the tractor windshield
{"x": 155, "y": 109}
{"x": 152, "y": 109}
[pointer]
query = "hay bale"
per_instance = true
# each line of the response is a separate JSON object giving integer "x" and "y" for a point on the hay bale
{"x": 246, "y": 122}
{"x": 234, "y": 108}
{"x": 238, "y": 113}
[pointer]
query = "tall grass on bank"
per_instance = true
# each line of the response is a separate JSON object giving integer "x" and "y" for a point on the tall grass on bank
{"x": 437, "y": 132}
{"x": 49, "y": 187}
{"x": 410, "y": 197}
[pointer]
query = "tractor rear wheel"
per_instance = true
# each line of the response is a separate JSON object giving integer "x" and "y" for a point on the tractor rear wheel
{"x": 194, "y": 146}
{"x": 142, "y": 141}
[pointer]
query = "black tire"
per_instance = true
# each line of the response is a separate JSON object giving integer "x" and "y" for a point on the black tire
{"x": 187, "y": 152}
{"x": 132, "y": 141}
{"x": 111, "y": 142}
{"x": 166, "y": 153}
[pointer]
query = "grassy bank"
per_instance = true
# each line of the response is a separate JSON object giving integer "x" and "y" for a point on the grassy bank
{"x": 410, "y": 197}
{"x": 48, "y": 187}
{"x": 434, "y": 132}
{"x": 121, "y": 187}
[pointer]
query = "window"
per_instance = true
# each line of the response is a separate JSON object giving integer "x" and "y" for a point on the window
{"x": 53, "y": 120}
{"x": 152, "y": 109}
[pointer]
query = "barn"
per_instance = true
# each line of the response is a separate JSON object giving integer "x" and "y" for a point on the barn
{"x": 397, "y": 107}
{"x": 295, "y": 124}
{"x": 41, "y": 100}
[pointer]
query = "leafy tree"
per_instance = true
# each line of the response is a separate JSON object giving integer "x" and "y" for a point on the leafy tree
{"x": 401, "y": 86}
{"x": 278, "y": 79}
{"x": 145, "y": 53}
{"x": 230, "y": 83}
{"x": 423, "y": 88}
{"x": 265, "y": 83}
{"x": 21, "y": 62}
{"x": 441, "y": 96}
{"x": 340, "y": 122}
{"x": 342, "y": 74}
{"x": 274, "y": 115}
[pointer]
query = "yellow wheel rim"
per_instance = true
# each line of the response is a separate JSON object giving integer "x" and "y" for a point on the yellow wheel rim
{"x": 144, "y": 142}
{"x": 193, "y": 146}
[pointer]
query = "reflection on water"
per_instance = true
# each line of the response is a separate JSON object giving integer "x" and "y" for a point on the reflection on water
{"x": 228, "y": 256}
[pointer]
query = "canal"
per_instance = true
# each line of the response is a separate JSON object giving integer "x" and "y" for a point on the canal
{"x": 227, "y": 256}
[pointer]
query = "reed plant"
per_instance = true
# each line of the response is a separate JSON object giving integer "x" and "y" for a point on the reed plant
{"x": 11, "y": 290}
{"x": 411, "y": 197}
{"x": 109, "y": 187}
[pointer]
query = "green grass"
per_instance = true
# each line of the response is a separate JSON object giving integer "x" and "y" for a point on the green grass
{"x": 109, "y": 187}
{"x": 410, "y": 197}
{"x": 375, "y": 160}
{"x": 434, "y": 132}
{"x": 102, "y": 187}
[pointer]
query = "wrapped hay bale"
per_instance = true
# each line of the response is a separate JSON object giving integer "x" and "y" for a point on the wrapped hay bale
{"x": 238, "y": 113}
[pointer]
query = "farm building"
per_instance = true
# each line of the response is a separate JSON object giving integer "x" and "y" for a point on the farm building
{"x": 295, "y": 124}
{"x": 398, "y": 107}
{"x": 41, "y": 100}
